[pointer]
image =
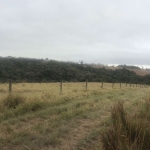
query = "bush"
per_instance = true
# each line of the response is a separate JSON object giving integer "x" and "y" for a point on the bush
{"x": 12, "y": 101}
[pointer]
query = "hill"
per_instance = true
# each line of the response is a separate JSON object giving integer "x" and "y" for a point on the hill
{"x": 137, "y": 70}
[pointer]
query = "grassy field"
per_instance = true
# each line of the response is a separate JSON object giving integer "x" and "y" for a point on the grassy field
{"x": 37, "y": 117}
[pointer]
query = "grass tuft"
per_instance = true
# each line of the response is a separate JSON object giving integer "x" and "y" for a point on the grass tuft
{"x": 12, "y": 101}
{"x": 126, "y": 132}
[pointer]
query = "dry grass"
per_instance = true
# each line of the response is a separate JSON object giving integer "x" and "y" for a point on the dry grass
{"x": 127, "y": 131}
{"x": 50, "y": 120}
{"x": 35, "y": 90}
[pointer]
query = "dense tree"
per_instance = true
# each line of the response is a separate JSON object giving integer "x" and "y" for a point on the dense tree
{"x": 40, "y": 70}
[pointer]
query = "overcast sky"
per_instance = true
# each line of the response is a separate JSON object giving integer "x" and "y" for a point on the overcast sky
{"x": 94, "y": 31}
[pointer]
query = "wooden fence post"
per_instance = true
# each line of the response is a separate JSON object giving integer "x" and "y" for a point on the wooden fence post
{"x": 113, "y": 85}
{"x": 10, "y": 86}
{"x": 126, "y": 84}
{"x": 86, "y": 85}
{"x": 61, "y": 87}
{"x": 102, "y": 85}
{"x": 120, "y": 84}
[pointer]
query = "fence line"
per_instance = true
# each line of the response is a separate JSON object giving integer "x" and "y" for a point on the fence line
{"x": 86, "y": 85}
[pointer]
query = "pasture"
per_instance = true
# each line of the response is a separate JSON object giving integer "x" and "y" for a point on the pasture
{"x": 45, "y": 119}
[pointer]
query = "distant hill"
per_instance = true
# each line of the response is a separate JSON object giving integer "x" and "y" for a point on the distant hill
{"x": 137, "y": 70}
{"x": 128, "y": 67}
{"x": 141, "y": 72}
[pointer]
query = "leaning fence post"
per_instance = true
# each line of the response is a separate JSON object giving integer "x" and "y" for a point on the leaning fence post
{"x": 61, "y": 87}
{"x": 10, "y": 86}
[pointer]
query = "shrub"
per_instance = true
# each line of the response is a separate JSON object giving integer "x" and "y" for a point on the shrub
{"x": 12, "y": 101}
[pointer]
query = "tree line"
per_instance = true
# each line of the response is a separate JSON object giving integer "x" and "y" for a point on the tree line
{"x": 44, "y": 70}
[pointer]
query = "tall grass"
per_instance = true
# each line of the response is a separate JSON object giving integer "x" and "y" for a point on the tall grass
{"x": 127, "y": 132}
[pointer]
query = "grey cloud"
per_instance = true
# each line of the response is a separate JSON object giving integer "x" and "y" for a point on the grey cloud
{"x": 94, "y": 31}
